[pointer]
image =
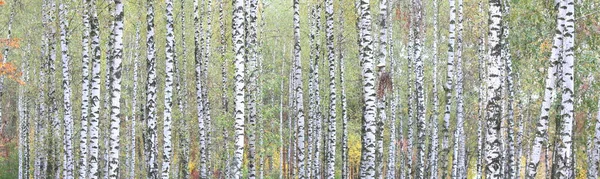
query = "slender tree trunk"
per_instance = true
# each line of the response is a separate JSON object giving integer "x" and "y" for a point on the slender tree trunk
{"x": 302, "y": 169}
{"x": 419, "y": 85}
{"x": 313, "y": 74}
{"x": 198, "y": 52}
{"x": 68, "y": 163}
{"x": 482, "y": 73}
{"x": 448, "y": 88}
{"x": 410, "y": 99}
{"x": 54, "y": 140}
{"x": 596, "y": 149}
{"x": 381, "y": 101}
{"x": 115, "y": 112}
{"x": 170, "y": 60}
{"x": 550, "y": 83}
{"x": 151, "y": 142}
{"x": 318, "y": 116}
{"x": 107, "y": 95}
{"x": 564, "y": 154}
{"x": 512, "y": 170}
{"x": 459, "y": 168}
{"x": 369, "y": 128}
{"x": 331, "y": 140}
{"x": 206, "y": 101}
{"x": 238, "y": 41}
{"x": 180, "y": 72}
{"x": 494, "y": 93}
{"x": 391, "y": 164}
{"x": 281, "y": 142}
{"x": 95, "y": 92}
{"x": 134, "y": 104}
{"x": 85, "y": 92}
{"x": 252, "y": 86}
{"x": 341, "y": 53}
{"x": 433, "y": 154}
{"x": 23, "y": 127}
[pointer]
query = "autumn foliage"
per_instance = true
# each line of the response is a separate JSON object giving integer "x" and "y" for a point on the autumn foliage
{"x": 10, "y": 71}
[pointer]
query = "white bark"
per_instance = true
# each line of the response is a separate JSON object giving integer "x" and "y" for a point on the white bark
{"x": 151, "y": 142}
{"x": 170, "y": 60}
{"x": 302, "y": 168}
{"x": 494, "y": 93}
{"x": 367, "y": 166}
{"x": 85, "y": 92}
{"x": 448, "y": 89}
{"x": 564, "y": 149}
{"x": 433, "y": 154}
{"x": 550, "y": 84}
{"x": 331, "y": 137}
{"x": 596, "y": 149}
{"x": 115, "y": 112}
{"x": 95, "y": 92}
{"x": 68, "y": 163}
{"x": 238, "y": 41}
{"x": 459, "y": 168}
{"x": 252, "y": 86}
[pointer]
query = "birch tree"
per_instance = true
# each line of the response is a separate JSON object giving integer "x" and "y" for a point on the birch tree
{"x": 564, "y": 149}
{"x": 151, "y": 142}
{"x": 95, "y": 91}
{"x": 170, "y": 60}
{"x": 433, "y": 154}
{"x": 550, "y": 84}
{"x": 302, "y": 170}
{"x": 252, "y": 86}
{"x": 381, "y": 101}
{"x": 459, "y": 168}
{"x": 68, "y": 164}
{"x": 238, "y": 43}
{"x": 494, "y": 92}
{"x": 85, "y": 92}
{"x": 134, "y": 104}
{"x": 341, "y": 56}
{"x": 180, "y": 72}
{"x": 367, "y": 162}
{"x": 482, "y": 73}
{"x": 115, "y": 112}
{"x": 331, "y": 137}
{"x": 448, "y": 87}
{"x": 596, "y": 149}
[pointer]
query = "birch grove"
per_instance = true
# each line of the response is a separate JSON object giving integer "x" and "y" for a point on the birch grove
{"x": 248, "y": 97}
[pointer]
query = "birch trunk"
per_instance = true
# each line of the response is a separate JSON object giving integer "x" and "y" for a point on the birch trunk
{"x": 170, "y": 60}
{"x": 433, "y": 154}
{"x": 68, "y": 163}
{"x": 550, "y": 84}
{"x": 151, "y": 142}
{"x": 482, "y": 73}
{"x": 85, "y": 92}
{"x": 252, "y": 86}
{"x": 564, "y": 151}
{"x": 115, "y": 112}
{"x": 341, "y": 52}
{"x": 134, "y": 104}
{"x": 494, "y": 93}
{"x": 331, "y": 137}
{"x": 369, "y": 128}
{"x": 460, "y": 148}
{"x": 448, "y": 88}
{"x": 381, "y": 101}
{"x": 95, "y": 91}
{"x": 596, "y": 149}
{"x": 238, "y": 41}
